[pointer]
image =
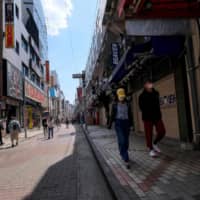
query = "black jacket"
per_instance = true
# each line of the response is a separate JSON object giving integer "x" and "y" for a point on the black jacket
{"x": 149, "y": 103}
{"x": 114, "y": 114}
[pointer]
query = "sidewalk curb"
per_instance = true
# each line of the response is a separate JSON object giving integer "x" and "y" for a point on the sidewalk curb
{"x": 118, "y": 192}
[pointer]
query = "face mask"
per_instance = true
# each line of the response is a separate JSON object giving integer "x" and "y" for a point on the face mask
{"x": 150, "y": 86}
{"x": 121, "y": 98}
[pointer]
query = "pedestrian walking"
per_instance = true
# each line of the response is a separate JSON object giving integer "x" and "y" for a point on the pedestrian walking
{"x": 67, "y": 123}
{"x": 45, "y": 126}
{"x": 122, "y": 116}
{"x": 50, "y": 128}
{"x": 149, "y": 103}
{"x": 14, "y": 130}
{"x": 1, "y": 129}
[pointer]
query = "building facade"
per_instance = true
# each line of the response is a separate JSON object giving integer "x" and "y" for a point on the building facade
{"x": 137, "y": 45}
{"x": 24, "y": 84}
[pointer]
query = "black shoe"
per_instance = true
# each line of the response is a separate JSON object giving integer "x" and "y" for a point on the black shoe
{"x": 2, "y": 144}
{"x": 13, "y": 145}
{"x": 128, "y": 166}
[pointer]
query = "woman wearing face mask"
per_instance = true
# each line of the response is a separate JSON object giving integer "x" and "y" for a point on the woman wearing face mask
{"x": 122, "y": 116}
{"x": 149, "y": 103}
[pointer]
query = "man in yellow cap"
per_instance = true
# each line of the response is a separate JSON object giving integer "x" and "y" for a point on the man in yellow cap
{"x": 122, "y": 116}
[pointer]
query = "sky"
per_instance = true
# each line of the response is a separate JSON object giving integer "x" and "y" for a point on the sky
{"x": 70, "y": 26}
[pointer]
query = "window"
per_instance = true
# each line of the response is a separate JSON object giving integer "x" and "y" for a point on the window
{"x": 42, "y": 69}
{"x": 24, "y": 44}
{"x": 25, "y": 70}
{"x": 38, "y": 81}
{"x": 17, "y": 11}
{"x": 42, "y": 86}
{"x": 33, "y": 77}
{"x": 17, "y": 47}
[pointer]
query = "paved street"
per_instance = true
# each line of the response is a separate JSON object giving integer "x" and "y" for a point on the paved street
{"x": 175, "y": 175}
{"x": 61, "y": 168}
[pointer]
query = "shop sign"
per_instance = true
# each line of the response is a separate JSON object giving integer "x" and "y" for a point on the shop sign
{"x": 9, "y": 36}
{"x": 169, "y": 100}
{"x": 9, "y": 25}
{"x": 115, "y": 54}
{"x": 9, "y": 12}
{"x": 47, "y": 72}
{"x": 14, "y": 82}
{"x": 79, "y": 93}
{"x": 34, "y": 93}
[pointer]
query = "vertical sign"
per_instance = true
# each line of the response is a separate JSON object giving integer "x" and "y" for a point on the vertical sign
{"x": 115, "y": 54}
{"x": 47, "y": 72}
{"x": 9, "y": 25}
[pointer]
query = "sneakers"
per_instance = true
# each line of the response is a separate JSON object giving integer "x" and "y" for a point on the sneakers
{"x": 128, "y": 166}
{"x": 156, "y": 148}
{"x": 153, "y": 154}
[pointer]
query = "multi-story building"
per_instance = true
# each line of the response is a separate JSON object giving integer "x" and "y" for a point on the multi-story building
{"x": 138, "y": 45}
{"x": 24, "y": 88}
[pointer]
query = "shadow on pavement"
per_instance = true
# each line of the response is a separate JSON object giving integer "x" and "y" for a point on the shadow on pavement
{"x": 59, "y": 182}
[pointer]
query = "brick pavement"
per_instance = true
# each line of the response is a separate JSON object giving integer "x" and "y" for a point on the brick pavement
{"x": 175, "y": 175}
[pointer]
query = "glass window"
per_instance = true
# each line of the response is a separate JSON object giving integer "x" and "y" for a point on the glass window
{"x": 17, "y": 47}
{"x": 33, "y": 77}
{"x": 25, "y": 70}
{"x": 24, "y": 44}
{"x": 17, "y": 11}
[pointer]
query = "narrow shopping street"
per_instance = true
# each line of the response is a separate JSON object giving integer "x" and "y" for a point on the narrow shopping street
{"x": 60, "y": 168}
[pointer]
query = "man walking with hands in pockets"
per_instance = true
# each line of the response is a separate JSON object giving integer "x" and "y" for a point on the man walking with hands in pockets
{"x": 149, "y": 103}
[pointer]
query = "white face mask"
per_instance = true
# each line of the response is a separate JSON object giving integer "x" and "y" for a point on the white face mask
{"x": 150, "y": 86}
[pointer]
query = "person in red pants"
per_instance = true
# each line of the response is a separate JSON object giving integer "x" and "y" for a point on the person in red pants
{"x": 149, "y": 103}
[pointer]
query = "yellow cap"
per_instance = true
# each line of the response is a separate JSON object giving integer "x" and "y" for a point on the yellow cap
{"x": 121, "y": 92}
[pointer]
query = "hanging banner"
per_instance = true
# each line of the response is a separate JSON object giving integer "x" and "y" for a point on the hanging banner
{"x": 79, "y": 93}
{"x": 9, "y": 35}
{"x": 9, "y": 25}
{"x": 115, "y": 54}
{"x": 47, "y": 72}
{"x": 9, "y": 12}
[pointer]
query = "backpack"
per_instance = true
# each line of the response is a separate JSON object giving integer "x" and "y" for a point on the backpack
{"x": 15, "y": 127}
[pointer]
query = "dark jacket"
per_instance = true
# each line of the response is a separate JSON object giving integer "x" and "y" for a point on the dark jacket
{"x": 149, "y": 103}
{"x": 114, "y": 114}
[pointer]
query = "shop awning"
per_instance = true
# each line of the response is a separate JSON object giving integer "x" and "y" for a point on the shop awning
{"x": 159, "y": 27}
{"x": 127, "y": 59}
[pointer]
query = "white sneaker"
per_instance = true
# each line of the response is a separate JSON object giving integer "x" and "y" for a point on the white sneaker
{"x": 156, "y": 148}
{"x": 153, "y": 154}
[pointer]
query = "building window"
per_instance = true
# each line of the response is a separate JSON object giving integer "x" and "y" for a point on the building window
{"x": 24, "y": 44}
{"x": 17, "y": 47}
{"x": 42, "y": 69}
{"x": 17, "y": 11}
{"x": 25, "y": 70}
{"x": 33, "y": 77}
{"x": 38, "y": 81}
{"x": 42, "y": 86}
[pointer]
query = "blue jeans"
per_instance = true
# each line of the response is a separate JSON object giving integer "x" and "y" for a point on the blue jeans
{"x": 122, "y": 128}
{"x": 50, "y": 133}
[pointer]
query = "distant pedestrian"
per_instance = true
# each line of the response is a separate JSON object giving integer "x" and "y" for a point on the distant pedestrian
{"x": 1, "y": 129}
{"x": 45, "y": 126}
{"x": 14, "y": 130}
{"x": 50, "y": 128}
{"x": 122, "y": 116}
{"x": 151, "y": 115}
{"x": 67, "y": 123}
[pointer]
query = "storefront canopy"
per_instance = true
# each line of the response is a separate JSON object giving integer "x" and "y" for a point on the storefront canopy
{"x": 159, "y": 27}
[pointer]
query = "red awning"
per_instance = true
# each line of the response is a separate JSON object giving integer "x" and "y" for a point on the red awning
{"x": 158, "y": 8}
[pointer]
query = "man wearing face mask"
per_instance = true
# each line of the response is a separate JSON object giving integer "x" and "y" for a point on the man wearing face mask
{"x": 122, "y": 116}
{"x": 149, "y": 103}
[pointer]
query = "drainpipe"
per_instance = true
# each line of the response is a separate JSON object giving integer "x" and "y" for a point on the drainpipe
{"x": 191, "y": 69}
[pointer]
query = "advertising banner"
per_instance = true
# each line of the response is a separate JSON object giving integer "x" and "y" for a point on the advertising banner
{"x": 79, "y": 93}
{"x": 9, "y": 12}
{"x": 34, "y": 93}
{"x": 14, "y": 82}
{"x": 47, "y": 72}
{"x": 9, "y": 35}
{"x": 115, "y": 54}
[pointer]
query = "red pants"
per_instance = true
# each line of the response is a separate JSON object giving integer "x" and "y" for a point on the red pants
{"x": 160, "y": 129}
